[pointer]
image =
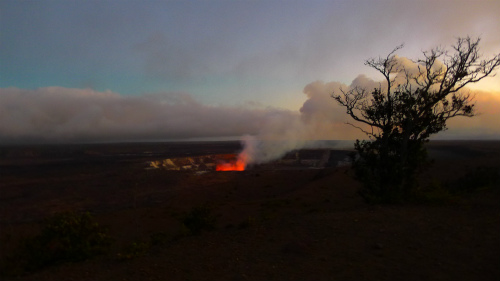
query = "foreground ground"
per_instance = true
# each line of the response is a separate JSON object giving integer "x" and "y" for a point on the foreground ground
{"x": 297, "y": 224}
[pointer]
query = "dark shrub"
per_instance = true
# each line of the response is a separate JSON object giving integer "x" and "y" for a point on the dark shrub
{"x": 65, "y": 237}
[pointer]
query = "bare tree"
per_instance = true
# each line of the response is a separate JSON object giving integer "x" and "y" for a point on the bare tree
{"x": 408, "y": 107}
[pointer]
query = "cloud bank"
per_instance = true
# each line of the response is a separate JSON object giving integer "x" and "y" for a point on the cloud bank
{"x": 68, "y": 115}
{"x": 56, "y": 114}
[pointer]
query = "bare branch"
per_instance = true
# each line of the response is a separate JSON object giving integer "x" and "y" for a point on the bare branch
{"x": 422, "y": 103}
{"x": 361, "y": 129}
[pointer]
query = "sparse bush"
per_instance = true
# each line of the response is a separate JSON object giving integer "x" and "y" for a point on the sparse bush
{"x": 435, "y": 193}
{"x": 139, "y": 248}
{"x": 159, "y": 238}
{"x": 481, "y": 177}
{"x": 198, "y": 220}
{"x": 452, "y": 191}
{"x": 134, "y": 250}
{"x": 65, "y": 237}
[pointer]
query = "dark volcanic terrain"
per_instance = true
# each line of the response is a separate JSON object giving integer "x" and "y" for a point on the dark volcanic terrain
{"x": 272, "y": 222}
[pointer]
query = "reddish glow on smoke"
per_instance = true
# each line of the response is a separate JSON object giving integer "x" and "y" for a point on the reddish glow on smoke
{"x": 237, "y": 165}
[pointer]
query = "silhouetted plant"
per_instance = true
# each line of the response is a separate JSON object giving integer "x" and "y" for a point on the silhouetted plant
{"x": 134, "y": 250}
{"x": 454, "y": 191}
{"x": 159, "y": 238}
{"x": 65, "y": 237}
{"x": 436, "y": 193}
{"x": 480, "y": 178}
{"x": 411, "y": 104}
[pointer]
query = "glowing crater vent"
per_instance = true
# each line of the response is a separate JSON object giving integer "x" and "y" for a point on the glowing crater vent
{"x": 238, "y": 164}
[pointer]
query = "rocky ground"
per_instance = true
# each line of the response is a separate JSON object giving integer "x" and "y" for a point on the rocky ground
{"x": 269, "y": 224}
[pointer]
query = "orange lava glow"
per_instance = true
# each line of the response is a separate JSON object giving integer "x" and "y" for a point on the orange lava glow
{"x": 237, "y": 165}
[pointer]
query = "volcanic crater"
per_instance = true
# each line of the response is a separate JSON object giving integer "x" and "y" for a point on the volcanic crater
{"x": 298, "y": 218}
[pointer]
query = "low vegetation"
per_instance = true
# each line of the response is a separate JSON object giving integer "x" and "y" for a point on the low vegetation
{"x": 437, "y": 192}
{"x": 134, "y": 250}
{"x": 199, "y": 219}
{"x": 65, "y": 237}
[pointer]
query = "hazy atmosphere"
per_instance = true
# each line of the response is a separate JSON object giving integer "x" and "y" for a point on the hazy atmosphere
{"x": 101, "y": 71}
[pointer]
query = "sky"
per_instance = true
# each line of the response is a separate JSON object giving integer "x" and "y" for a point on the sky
{"x": 85, "y": 71}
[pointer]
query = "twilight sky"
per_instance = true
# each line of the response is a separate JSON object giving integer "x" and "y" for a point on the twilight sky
{"x": 152, "y": 70}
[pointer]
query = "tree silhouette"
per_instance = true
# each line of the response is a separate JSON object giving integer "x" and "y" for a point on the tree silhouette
{"x": 413, "y": 102}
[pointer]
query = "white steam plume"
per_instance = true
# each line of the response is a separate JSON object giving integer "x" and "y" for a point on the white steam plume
{"x": 322, "y": 119}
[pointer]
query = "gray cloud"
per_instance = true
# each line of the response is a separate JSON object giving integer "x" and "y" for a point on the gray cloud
{"x": 57, "y": 114}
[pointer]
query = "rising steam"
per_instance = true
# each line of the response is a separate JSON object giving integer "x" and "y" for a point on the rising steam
{"x": 321, "y": 118}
